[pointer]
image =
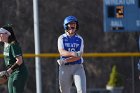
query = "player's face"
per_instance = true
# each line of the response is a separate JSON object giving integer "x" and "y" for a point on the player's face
{"x": 4, "y": 37}
{"x": 71, "y": 28}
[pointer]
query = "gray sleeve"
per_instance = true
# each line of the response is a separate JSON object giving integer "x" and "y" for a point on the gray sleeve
{"x": 60, "y": 42}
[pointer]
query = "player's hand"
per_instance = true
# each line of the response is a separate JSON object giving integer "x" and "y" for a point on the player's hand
{"x": 61, "y": 61}
{"x": 4, "y": 74}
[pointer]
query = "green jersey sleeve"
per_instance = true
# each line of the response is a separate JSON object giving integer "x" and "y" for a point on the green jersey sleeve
{"x": 16, "y": 50}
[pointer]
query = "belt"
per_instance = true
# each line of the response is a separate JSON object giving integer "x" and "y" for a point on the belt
{"x": 72, "y": 63}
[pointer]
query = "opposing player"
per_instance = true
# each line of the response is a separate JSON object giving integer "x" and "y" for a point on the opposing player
{"x": 70, "y": 47}
{"x": 16, "y": 71}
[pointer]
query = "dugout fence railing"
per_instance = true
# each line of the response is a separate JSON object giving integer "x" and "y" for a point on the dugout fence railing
{"x": 54, "y": 55}
{"x": 132, "y": 55}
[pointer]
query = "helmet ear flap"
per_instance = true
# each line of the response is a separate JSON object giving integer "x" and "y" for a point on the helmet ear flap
{"x": 66, "y": 26}
{"x": 77, "y": 26}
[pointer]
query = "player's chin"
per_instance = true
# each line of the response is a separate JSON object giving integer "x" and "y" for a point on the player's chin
{"x": 72, "y": 32}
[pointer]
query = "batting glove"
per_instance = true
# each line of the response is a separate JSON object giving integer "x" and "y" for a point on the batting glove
{"x": 4, "y": 74}
{"x": 61, "y": 61}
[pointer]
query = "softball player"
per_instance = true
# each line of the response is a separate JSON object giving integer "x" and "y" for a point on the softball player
{"x": 70, "y": 47}
{"x": 16, "y": 70}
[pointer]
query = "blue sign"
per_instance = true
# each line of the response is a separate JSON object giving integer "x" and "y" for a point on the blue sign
{"x": 121, "y": 15}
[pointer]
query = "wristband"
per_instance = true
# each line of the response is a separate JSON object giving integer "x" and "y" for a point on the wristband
{"x": 14, "y": 66}
{"x": 78, "y": 54}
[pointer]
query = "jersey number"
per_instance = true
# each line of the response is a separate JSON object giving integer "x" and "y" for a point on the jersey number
{"x": 71, "y": 49}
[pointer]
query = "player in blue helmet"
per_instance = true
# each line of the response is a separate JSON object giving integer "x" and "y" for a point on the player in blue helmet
{"x": 70, "y": 19}
{"x": 71, "y": 47}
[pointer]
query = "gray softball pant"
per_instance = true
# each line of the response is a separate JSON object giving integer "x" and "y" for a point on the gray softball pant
{"x": 69, "y": 74}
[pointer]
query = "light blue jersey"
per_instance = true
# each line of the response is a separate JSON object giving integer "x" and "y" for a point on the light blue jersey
{"x": 71, "y": 43}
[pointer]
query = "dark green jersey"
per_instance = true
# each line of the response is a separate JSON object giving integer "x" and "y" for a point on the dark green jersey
{"x": 18, "y": 77}
{"x": 11, "y": 51}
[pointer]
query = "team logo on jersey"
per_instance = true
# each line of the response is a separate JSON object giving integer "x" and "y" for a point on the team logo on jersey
{"x": 71, "y": 45}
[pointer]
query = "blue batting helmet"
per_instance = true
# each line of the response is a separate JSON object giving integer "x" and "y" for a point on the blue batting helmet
{"x": 68, "y": 20}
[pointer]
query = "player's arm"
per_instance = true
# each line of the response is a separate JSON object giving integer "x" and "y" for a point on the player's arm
{"x": 17, "y": 54}
{"x": 72, "y": 55}
{"x": 63, "y": 52}
{"x": 6, "y": 73}
{"x": 18, "y": 62}
{"x": 67, "y": 60}
{"x": 72, "y": 59}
